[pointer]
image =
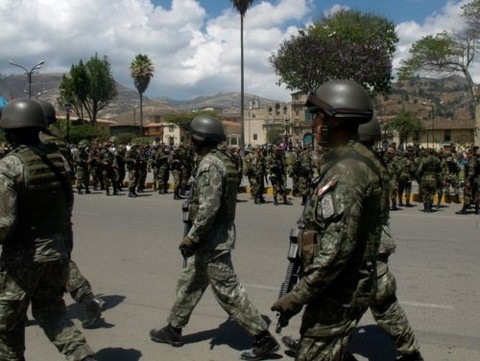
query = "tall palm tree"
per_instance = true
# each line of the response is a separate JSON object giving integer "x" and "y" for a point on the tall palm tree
{"x": 141, "y": 71}
{"x": 242, "y": 7}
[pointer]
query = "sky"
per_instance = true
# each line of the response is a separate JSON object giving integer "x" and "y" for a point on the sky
{"x": 194, "y": 44}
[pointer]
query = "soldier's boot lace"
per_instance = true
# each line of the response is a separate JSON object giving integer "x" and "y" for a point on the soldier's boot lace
{"x": 167, "y": 334}
{"x": 416, "y": 356}
{"x": 93, "y": 312}
{"x": 264, "y": 344}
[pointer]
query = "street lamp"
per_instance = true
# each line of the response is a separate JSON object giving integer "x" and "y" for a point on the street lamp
{"x": 29, "y": 73}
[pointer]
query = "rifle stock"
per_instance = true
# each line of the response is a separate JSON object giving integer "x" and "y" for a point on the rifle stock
{"x": 292, "y": 275}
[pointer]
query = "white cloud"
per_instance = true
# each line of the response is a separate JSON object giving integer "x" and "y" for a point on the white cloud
{"x": 193, "y": 53}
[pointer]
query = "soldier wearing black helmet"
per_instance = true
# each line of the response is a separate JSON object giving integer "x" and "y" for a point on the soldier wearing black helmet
{"x": 35, "y": 233}
{"x": 339, "y": 229}
{"x": 208, "y": 245}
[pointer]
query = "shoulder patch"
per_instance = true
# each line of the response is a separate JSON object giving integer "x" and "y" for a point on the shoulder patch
{"x": 325, "y": 188}
{"x": 327, "y": 207}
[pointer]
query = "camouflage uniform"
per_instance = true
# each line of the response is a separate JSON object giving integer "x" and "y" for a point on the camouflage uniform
{"x": 247, "y": 166}
{"x": 303, "y": 168}
{"x": 276, "y": 170}
{"x": 176, "y": 165}
{"x": 160, "y": 160}
{"x": 131, "y": 161}
{"x": 259, "y": 171}
{"x": 394, "y": 167}
{"x": 36, "y": 243}
{"x": 340, "y": 237}
{"x": 83, "y": 171}
{"x": 451, "y": 170}
{"x": 428, "y": 171}
{"x": 214, "y": 195}
{"x": 405, "y": 179}
{"x": 120, "y": 171}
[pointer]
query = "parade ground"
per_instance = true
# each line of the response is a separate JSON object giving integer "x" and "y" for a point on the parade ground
{"x": 128, "y": 249}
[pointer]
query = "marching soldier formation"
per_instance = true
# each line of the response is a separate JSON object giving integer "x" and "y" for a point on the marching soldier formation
{"x": 36, "y": 236}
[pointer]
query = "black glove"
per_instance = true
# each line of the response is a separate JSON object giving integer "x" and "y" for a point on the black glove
{"x": 288, "y": 306}
{"x": 187, "y": 247}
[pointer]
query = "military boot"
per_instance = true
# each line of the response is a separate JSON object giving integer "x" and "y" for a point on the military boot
{"x": 416, "y": 356}
{"x": 426, "y": 207}
{"x": 291, "y": 343}
{"x": 168, "y": 334}
{"x": 456, "y": 198}
{"x": 286, "y": 201}
{"x": 263, "y": 345}
{"x": 477, "y": 209}
{"x": 87, "y": 191}
{"x": 132, "y": 194}
{"x": 275, "y": 201}
{"x": 394, "y": 207}
{"x": 93, "y": 311}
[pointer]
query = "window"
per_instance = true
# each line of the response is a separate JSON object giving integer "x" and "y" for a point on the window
{"x": 448, "y": 135}
{"x": 255, "y": 137}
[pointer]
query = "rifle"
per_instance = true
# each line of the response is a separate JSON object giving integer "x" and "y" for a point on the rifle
{"x": 187, "y": 223}
{"x": 292, "y": 275}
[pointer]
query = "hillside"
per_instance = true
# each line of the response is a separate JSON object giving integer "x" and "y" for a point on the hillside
{"x": 450, "y": 97}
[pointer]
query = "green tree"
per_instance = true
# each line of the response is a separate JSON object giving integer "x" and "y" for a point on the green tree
{"x": 444, "y": 54}
{"x": 89, "y": 87}
{"x": 242, "y": 7}
{"x": 141, "y": 71}
{"x": 345, "y": 45}
{"x": 406, "y": 124}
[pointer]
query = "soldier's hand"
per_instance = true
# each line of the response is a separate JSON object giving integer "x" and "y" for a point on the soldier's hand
{"x": 187, "y": 247}
{"x": 288, "y": 306}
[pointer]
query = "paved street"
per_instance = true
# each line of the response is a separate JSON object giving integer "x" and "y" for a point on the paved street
{"x": 127, "y": 248}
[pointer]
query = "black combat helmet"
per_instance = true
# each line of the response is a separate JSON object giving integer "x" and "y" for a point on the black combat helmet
{"x": 371, "y": 131}
{"x": 342, "y": 99}
{"x": 23, "y": 113}
{"x": 49, "y": 111}
{"x": 207, "y": 128}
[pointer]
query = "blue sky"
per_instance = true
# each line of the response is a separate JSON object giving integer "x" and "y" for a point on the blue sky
{"x": 194, "y": 45}
{"x": 395, "y": 10}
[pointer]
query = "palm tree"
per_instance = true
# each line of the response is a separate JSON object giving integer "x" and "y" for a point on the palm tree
{"x": 242, "y": 7}
{"x": 141, "y": 71}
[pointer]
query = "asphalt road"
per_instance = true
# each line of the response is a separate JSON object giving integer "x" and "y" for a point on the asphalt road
{"x": 127, "y": 248}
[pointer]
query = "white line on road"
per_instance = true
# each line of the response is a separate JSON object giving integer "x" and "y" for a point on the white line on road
{"x": 409, "y": 303}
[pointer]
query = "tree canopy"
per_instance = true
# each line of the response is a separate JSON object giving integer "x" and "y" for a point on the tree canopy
{"x": 88, "y": 87}
{"x": 406, "y": 124}
{"x": 345, "y": 45}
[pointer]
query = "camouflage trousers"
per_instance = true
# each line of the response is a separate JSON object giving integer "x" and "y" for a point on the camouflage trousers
{"x": 132, "y": 179}
{"x": 325, "y": 336}
{"x": 42, "y": 285}
{"x": 77, "y": 285}
{"x": 389, "y": 315}
{"x": 214, "y": 268}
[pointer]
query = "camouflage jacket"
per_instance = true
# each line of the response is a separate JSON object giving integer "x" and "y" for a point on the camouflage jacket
{"x": 346, "y": 211}
{"x": 214, "y": 196}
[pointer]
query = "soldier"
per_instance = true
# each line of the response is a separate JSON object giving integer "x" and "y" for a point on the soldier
{"x": 35, "y": 233}
{"x": 131, "y": 161}
{"x": 428, "y": 171}
{"x": 160, "y": 160}
{"x": 276, "y": 170}
{"x": 107, "y": 161}
{"x": 451, "y": 169}
{"x": 208, "y": 245}
{"x": 249, "y": 172}
{"x": 385, "y": 307}
{"x": 83, "y": 165}
{"x": 394, "y": 168}
{"x": 407, "y": 170}
{"x": 120, "y": 173}
{"x": 340, "y": 227}
{"x": 77, "y": 285}
{"x": 472, "y": 182}
{"x": 303, "y": 168}
{"x": 259, "y": 171}
{"x": 142, "y": 164}
{"x": 176, "y": 165}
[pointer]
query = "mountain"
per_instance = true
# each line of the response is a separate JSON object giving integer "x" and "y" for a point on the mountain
{"x": 449, "y": 96}
{"x": 45, "y": 86}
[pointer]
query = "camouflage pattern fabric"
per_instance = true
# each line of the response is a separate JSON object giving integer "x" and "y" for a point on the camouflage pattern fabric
{"x": 34, "y": 270}
{"x": 214, "y": 192}
{"x": 77, "y": 285}
{"x": 42, "y": 285}
{"x": 346, "y": 212}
